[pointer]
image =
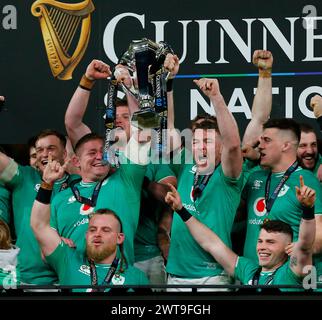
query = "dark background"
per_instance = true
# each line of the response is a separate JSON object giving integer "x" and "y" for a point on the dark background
{"x": 35, "y": 100}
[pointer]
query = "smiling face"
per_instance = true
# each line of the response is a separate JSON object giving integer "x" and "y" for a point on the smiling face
{"x": 52, "y": 144}
{"x": 102, "y": 238}
{"x": 90, "y": 156}
{"x": 307, "y": 152}
{"x": 271, "y": 249}
{"x": 206, "y": 148}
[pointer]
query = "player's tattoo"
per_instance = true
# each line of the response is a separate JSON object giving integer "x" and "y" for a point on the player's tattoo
{"x": 293, "y": 262}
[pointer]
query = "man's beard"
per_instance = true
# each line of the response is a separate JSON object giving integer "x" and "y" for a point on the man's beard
{"x": 99, "y": 254}
{"x": 315, "y": 158}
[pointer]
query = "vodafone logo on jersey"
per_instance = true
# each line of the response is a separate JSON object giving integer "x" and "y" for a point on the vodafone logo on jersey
{"x": 85, "y": 209}
{"x": 260, "y": 207}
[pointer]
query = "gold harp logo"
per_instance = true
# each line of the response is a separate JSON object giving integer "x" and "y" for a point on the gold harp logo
{"x": 59, "y": 23}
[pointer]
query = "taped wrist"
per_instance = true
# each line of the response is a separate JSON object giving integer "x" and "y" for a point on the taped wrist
{"x": 265, "y": 73}
{"x": 184, "y": 214}
{"x": 86, "y": 83}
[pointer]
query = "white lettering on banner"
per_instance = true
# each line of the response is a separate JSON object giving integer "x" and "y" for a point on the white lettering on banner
{"x": 238, "y": 95}
{"x": 108, "y": 36}
{"x": 310, "y": 38}
{"x": 266, "y": 27}
{"x": 159, "y": 30}
{"x": 238, "y": 103}
{"x": 288, "y": 48}
{"x": 244, "y": 48}
{"x": 203, "y": 41}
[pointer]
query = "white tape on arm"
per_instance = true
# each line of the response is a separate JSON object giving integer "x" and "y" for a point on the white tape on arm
{"x": 9, "y": 172}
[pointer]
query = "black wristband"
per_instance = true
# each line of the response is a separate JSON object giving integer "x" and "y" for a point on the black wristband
{"x": 308, "y": 213}
{"x": 169, "y": 85}
{"x": 184, "y": 214}
{"x": 319, "y": 120}
{"x": 44, "y": 195}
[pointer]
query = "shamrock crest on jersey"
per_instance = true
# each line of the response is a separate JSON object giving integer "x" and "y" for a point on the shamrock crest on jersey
{"x": 85, "y": 269}
{"x": 118, "y": 279}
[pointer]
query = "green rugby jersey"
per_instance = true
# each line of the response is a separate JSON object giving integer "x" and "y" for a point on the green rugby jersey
{"x": 146, "y": 244}
{"x": 73, "y": 268}
{"x": 120, "y": 192}
{"x": 318, "y": 258}
{"x": 216, "y": 208}
{"x": 24, "y": 186}
{"x": 245, "y": 270}
{"x": 285, "y": 208}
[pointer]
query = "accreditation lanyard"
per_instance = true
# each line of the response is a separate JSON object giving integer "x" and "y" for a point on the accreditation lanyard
{"x": 198, "y": 188}
{"x": 90, "y": 202}
{"x": 109, "y": 275}
{"x": 269, "y": 200}
{"x": 269, "y": 279}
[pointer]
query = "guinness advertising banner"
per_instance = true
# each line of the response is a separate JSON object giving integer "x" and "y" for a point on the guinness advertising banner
{"x": 46, "y": 46}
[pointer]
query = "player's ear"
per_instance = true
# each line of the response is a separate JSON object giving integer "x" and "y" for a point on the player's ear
{"x": 120, "y": 238}
{"x": 75, "y": 161}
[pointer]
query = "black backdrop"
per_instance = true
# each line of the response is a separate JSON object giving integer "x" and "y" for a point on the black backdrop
{"x": 35, "y": 100}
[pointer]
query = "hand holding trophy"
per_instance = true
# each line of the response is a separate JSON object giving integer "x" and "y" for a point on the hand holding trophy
{"x": 144, "y": 61}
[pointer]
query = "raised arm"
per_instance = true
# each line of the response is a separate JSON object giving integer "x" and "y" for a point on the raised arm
{"x": 231, "y": 157}
{"x": 75, "y": 112}
{"x": 47, "y": 237}
{"x": 262, "y": 103}
{"x": 206, "y": 238}
{"x": 316, "y": 105}
{"x": 4, "y": 163}
{"x": 171, "y": 64}
{"x": 303, "y": 249}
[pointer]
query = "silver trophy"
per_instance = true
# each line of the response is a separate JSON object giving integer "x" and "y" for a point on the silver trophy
{"x": 144, "y": 59}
